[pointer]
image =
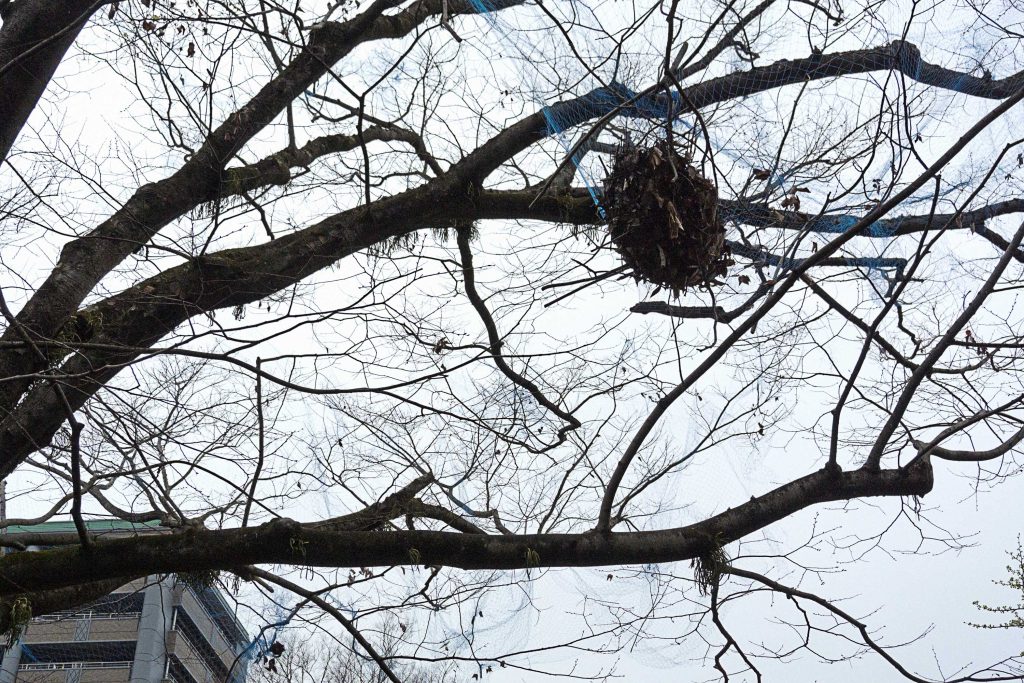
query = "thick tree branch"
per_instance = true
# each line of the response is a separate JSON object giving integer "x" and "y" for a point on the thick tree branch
{"x": 34, "y": 38}
{"x": 575, "y": 206}
{"x": 84, "y": 261}
{"x": 276, "y": 169}
{"x": 288, "y": 542}
{"x": 374, "y": 516}
{"x": 59, "y": 599}
{"x": 141, "y": 315}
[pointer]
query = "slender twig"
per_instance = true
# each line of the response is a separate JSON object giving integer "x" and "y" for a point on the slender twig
{"x": 334, "y": 612}
{"x": 260, "y": 444}
{"x": 853, "y": 621}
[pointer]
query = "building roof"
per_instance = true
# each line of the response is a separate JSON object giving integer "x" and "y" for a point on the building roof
{"x": 211, "y": 599}
{"x": 95, "y": 525}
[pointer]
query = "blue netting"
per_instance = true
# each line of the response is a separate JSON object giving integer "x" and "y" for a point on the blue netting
{"x": 655, "y": 112}
{"x": 259, "y": 646}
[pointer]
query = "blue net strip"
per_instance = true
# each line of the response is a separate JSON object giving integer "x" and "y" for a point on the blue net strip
{"x": 663, "y": 106}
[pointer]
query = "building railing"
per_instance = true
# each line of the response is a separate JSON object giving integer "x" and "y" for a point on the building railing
{"x": 192, "y": 657}
{"x": 232, "y": 641}
{"x": 55, "y": 666}
{"x": 223, "y": 612}
{"x": 79, "y": 616}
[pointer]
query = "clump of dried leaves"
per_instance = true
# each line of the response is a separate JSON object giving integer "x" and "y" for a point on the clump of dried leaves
{"x": 663, "y": 219}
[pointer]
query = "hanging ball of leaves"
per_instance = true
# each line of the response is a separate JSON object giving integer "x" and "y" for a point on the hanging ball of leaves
{"x": 663, "y": 219}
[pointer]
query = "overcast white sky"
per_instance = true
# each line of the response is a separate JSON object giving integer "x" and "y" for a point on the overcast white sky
{"x": 901, "y": 587}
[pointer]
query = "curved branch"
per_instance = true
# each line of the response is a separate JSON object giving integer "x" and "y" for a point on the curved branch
{"x": 330, "y": 609}
{"x": 276, "y": 168}
{"x": 494, "y": 339}
{"x": 853, "y": 621}
{"x": 972, "y": 456}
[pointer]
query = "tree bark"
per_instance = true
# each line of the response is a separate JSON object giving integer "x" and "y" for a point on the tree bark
{"x": 34, "y": 38}
{"x": 284, "y": 541}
